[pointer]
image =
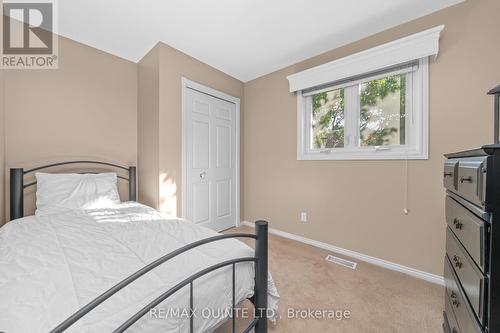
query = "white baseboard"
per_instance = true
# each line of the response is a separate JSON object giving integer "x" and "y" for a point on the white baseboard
{"x": 433, "y": 278}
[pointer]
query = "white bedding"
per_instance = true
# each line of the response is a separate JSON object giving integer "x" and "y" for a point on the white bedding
{"x": 50, "y": 266}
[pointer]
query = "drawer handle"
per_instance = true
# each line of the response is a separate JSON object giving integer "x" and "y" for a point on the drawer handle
{"x": 466, "y": 179}
{"x": 457, "y": 223}
{"x": 448, "y": 174}
{"x": 454, "y": 301}
{"x": 457, "y": 261}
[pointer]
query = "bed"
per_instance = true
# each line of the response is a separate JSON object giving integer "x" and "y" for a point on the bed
{"x": 123, "y": 266}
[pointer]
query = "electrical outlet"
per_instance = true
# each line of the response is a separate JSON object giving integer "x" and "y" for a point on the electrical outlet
{"x": 303, "y": 217}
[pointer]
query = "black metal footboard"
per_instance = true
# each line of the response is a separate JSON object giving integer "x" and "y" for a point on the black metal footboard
{"x": 260, "y": 293}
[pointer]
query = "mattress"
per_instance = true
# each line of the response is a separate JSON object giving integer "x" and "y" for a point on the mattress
{"x": 51, "y": 266}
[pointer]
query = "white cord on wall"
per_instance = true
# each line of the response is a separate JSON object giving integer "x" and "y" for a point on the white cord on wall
{"x": 405, "y": 209}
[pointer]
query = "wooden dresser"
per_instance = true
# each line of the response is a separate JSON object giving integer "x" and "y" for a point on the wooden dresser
{"x": 472, "y": 261}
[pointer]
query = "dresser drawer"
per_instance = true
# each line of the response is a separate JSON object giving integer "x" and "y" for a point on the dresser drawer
{"x": 450, "y": 174}
{"x": 464, "y": 315}
{"x": 450, "y": 315}
{"x": 471, "y": 179}
{"x": 471, "y": 278}
{"x": 470, "y": 230}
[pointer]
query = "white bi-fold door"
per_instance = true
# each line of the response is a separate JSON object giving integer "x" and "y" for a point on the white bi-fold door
{"x": 210, "y": 166}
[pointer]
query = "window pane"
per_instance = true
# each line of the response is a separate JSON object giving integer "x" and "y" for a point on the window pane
{"x": 383, "y": 111}
{"x": 328, "y": 119}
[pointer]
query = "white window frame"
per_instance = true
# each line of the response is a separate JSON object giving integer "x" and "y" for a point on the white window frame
{"x": 416, "y": 128}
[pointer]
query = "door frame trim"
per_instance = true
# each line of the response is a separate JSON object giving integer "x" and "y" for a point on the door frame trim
{"x": 185, "y": 84}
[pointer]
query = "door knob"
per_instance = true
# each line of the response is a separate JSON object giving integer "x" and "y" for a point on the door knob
{"x": 203, "y": 174}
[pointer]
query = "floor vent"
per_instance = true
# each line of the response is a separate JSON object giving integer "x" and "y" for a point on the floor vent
{"x": 341, "y": 262}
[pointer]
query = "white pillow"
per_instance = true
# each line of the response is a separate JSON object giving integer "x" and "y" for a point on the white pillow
{"x": 70, "y": 191}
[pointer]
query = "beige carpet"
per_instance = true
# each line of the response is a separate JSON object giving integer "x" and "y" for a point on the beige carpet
{"x": 379, "y": 300}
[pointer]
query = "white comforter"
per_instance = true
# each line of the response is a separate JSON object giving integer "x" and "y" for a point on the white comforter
{"x": 50, "y": 266}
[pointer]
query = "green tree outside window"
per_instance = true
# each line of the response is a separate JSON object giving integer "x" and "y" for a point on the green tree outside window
{"x": 376, "y": 126}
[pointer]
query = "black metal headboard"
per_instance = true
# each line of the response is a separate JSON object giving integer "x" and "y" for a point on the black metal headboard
{"x": 17, "y": 185}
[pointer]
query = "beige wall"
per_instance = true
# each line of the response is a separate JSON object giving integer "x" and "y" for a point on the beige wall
{"x": 85, "y": 109}
{"x": 147, "y": 128}
{"x": 173, "y": 65}
{"x": 358, "y": 205}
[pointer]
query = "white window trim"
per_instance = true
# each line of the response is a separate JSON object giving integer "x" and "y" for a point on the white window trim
{"x": 417, "y": 137}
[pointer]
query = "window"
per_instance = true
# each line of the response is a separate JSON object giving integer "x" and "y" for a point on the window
{"x": 368, "y": 105}
{"x": 381, "y": 115}
{"x": 328, "y": 119}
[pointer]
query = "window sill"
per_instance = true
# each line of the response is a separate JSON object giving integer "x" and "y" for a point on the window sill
{"x": 372, "y": 154}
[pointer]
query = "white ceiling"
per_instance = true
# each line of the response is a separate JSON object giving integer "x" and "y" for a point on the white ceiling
{"x": 243, "y": 38}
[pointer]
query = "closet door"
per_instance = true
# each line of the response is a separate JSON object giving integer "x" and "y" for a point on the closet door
{"x": 210, "y": 161}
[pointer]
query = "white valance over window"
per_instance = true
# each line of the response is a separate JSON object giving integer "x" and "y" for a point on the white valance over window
{"x": 401, "y": 51}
